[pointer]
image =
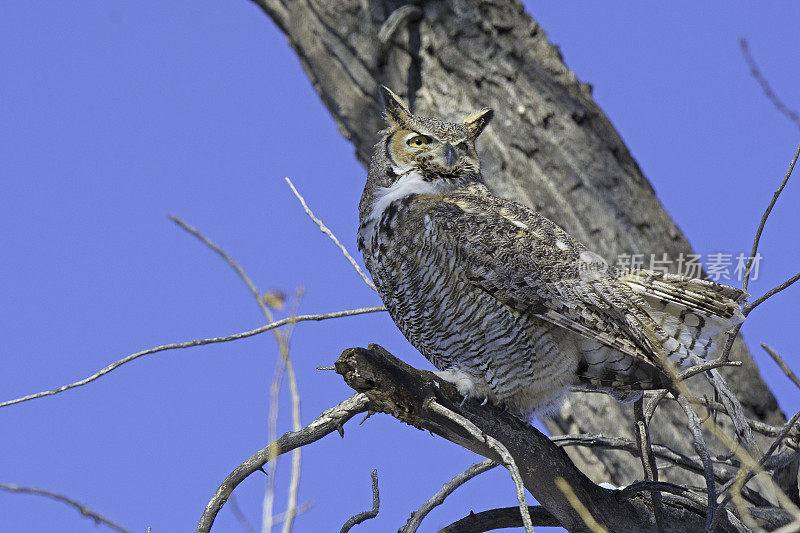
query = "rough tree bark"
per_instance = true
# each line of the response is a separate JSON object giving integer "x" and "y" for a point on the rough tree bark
{"x": 549, "y": 146}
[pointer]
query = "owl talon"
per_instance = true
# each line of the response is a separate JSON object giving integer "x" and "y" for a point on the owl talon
{"x": 466, "y": 397}
{"x": 485, "y": 401}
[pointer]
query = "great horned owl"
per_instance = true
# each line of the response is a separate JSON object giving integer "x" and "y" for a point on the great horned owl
{"x": 505, "y": 303}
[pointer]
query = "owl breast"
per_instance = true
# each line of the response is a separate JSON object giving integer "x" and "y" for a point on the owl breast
{"x": 487, "y": 349}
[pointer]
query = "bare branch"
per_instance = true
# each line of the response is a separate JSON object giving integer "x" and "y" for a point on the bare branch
{"x": 228, "y": 259}
{"x": 283, "y": 347}
{"x": 772, "y": 292}
{"x": 407, "y": 394}
{"x": 501, "y": 518}
{"x": 705, "y": 457}
{"x": 648, "y": 461}
{"x": 330, "y": 234}
{"x": 764, "y": 217}
{"x": 762, "y": 81}
{"x": 84, "y": 510}
{"x": 633, "y": 489}
{"x": 366, "y": 515}
{"x": 749, "y": 307}
{"x": 191, "y": 344}
{"x": 240, "y": 517}
{"x": 781, "y": 363}
{"x": 267, "y": 515}
{"x": 419, "y": 515}
{"x": 329, "y": 421}
{"x": 497, "y": 446}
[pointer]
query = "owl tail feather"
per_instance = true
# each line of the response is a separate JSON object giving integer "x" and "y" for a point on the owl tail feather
{"x": 687, "y": 312}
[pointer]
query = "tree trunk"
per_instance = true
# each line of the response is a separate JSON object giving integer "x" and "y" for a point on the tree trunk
{"x": 549, "y": 146}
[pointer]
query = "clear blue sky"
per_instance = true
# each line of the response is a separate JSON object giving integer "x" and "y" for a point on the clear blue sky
{"x": 116, "y": 114}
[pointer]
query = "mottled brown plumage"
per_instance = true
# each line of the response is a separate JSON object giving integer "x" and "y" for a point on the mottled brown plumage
{"x": 501, "y": 300}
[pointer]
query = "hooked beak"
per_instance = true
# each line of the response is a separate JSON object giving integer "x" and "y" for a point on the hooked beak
{"x": 449, "y": 154}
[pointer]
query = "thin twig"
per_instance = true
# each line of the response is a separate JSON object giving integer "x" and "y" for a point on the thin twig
{"x": 419, "y": 515}
{"x": 747, "y": 308}
{"x": 765, "y": 86}
{"x": 191, "y": 344}
{"x": 327, "y": 422}
{"x": 302, "y": 508}
{"x": 577, "y": 504}
{"x": 240, "y": 517}
{"x": 662, "y": 452}
{"x": 267, "y": 507}
{"x": 774, "y": 446}
{"x": 330, "y": 234}
{"x": 755, "y": 425}
{"x": 764, "y": 217}
{"x": 781, "y": 363}
{"x": 283, "y": 347}
{"x": 733, "y": 408}
{"x": 648, "y": 461}
{"x": 497, "y": 446}
{"x": 792, "y": 115}
{"x": 228, "y": 259}
{"x": 705, "y": 457}
{"x": 85, "y": 511}
{"x": 701, "y": 366}
{"x": 366, "y": 515}
{"x": 772, "y": 292}
{"x": 294, "y": 395}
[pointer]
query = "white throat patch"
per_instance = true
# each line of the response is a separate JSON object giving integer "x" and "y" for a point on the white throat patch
{"x": 409, "y": 183}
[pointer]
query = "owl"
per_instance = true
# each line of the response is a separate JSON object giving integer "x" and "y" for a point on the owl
{"x": 503, "y": 302}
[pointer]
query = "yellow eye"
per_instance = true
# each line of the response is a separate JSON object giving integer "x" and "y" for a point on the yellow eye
{"x": 418, "y": 140}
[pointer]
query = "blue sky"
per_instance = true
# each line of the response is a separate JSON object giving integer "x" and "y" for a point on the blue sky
{"x": 117, "y": 114}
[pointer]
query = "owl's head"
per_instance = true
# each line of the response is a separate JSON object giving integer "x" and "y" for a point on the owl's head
{"x": 436, "y": 149}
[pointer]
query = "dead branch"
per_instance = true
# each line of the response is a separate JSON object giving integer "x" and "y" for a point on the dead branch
{"x": 499, "y": 519}
{"x": 324, "y": 229}
{"x": 406, "y": 393}
{"x": 497, "y": 447}
{"x": 366, "y": 515}
{"x": 765, "y": 86}
{"x": 648, "y": 461}
{"x": 84, "y": 510}
{"x": 285, "y": 363}
{"x": 200, "y": 342}
{"x": 419, "y": 515}
{"x": 782, "y": 364}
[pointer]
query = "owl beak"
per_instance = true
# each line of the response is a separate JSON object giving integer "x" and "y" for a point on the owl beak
{"x": 449, "y": 154}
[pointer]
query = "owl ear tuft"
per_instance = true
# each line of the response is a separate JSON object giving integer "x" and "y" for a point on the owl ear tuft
{"x": 393, "y": 107}
{"x": 478, "y": 120}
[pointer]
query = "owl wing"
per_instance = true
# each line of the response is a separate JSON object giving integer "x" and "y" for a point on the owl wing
{"x": 534, "y": 267}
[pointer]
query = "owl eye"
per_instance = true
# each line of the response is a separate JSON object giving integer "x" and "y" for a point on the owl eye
{"x": 418, "y": 140}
